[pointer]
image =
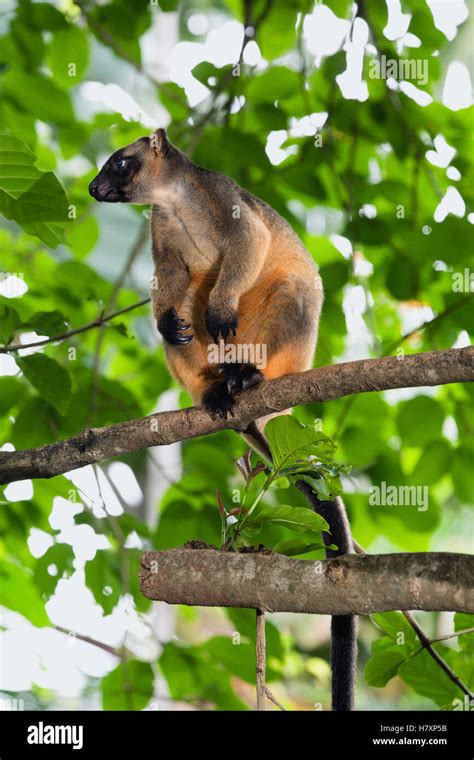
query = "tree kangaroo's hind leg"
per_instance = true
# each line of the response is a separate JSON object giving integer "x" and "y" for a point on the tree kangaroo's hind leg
{"x": 289, "y": 333}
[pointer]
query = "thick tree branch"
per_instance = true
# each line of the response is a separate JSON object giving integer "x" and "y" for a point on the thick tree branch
{"x": 346, "y": 585}
{"x": 322, "y": 384}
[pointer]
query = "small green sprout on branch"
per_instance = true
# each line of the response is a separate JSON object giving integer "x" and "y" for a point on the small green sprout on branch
{"x": 298, "y": 450}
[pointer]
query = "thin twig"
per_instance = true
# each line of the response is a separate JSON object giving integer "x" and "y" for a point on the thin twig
{"x": 260, "y": 658}
{"x": 102, "y": 320}
{"x": 453, "y": 635}
{"x": 100, "y": 644}
{"x": 274, "y": 700}
{"x": 426, "y": 642}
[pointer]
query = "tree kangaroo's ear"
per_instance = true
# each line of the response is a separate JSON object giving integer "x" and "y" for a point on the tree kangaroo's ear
{"x": 159, "y": 141}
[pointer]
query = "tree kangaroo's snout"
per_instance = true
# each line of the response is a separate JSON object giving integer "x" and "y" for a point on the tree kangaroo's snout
{"x": 130, "y": 173}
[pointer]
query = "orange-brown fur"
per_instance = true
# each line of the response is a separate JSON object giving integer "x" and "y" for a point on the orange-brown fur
{"x": 220, "y": 254}
{"x": 215, "y": 272}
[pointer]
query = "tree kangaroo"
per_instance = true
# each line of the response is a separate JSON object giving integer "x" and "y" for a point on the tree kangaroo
{"x": 232, "y": 275}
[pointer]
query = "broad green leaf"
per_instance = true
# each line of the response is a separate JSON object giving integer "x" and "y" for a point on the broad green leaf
{"x": 11, "y": 391}
{"x": 420, "y": 420}
{"x": 237, "y": 658}
{"x": 68, "y": 55}
{"x": 298, "y": 519}
{"x": 50, "y": 323}
{"x": 403, "y": 279}
{"x": 275, "y": 83}
{"x": 205, "y": 71}
{"x": 462, "y": 622}
{"x": 433, "y": 464}
{"x": 277, "y": 35}
{"x": 103, "y": 579}
{"x": 383, "y": 666}
{"x": 193, "y": 676}
{"x": 291, "y": 442}
{"x": 425, "y": 676}
{"x": 244, "y": 622}
{"x": 49, "y": 378}
{"x": 128, "y": 687}
{"x": 461, "y": 473}
{"x": 18, "y": 593}
{"x": 50, "y": 568}
{"x": 36, "y": 424}
{"x": 394, "y": 624}
{"x": 45, "y": 100}
{"x": 34, "y": 199}
{"x": 181, "y": 522}
{"x": 83, "y": 235}
{"x": 292, "y": 547}
{"x": 9, "y": 322}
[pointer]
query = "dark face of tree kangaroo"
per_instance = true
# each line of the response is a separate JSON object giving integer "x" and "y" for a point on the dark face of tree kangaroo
{"x": 131, "y": 173}
{"x": 114, "y": 182}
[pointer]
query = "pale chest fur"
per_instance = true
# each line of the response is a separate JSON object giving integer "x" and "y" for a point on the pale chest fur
{"x": 184, "y": 228}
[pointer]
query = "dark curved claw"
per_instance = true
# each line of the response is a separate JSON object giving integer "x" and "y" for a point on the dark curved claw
{"x": 218, "y": 401}
{"x": 218, "y": 326}
{"x": 172, "y": 327}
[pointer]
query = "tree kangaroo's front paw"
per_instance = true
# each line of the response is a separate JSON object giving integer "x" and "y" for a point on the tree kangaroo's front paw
{"x": 218, "y": 401}
{"x": 173, "y": 328}
{"x": 220, "y": 322}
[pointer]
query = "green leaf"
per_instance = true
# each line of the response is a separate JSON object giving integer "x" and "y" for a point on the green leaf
{"x": 403, "y": 279}
{"x": 425, "y": 676}
{"x": 205, "y": 71}
{"x": 36, "y": 424}
{"x": 34, "y": 199}
{"x": 236, "y": 658}
{"x": 68, "y": 56}
{"x": 420, "y": 420}
{"x": 48, "y": 377}
{"x": 61, "y": 556}
{"x": 9, "y": 322}
{"x": 277, "y": 35}
{"x": 192, "y": 675}
{"x": 394, "y": 624}
{"x": 11, "y": 391}
{"x": 244, "y": 622}
{"x": 83, "y": 235}
{"x": 18, "y": 593}
{"x": 433, "y": 464}
{"x": 174, "y": 100}
{"x": 276, "y": 83}
{"x": 463, "y": 621}
{"x": 50, "y": 323}
{"x": 103, "y": 579}
{"x": 45, "y": 100}
{"x": 298, "y": 519}
{"x": 384, "y": 666}
{"x": 294, "y": 546}
{"x": 181, "y": 522}
{"x": 128, "y": 687}
{"x": 461, "y": 473}
{"x": 291, "y": 442}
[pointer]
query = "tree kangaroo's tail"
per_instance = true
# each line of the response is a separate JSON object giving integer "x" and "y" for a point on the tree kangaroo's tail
{"x": 343, "y": 627}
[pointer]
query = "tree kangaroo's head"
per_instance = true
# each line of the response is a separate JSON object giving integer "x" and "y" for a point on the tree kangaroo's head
{"x": 131, "y": 174}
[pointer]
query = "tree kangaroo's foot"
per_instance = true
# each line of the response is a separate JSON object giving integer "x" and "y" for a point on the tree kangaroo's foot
{"x": 218, "y": 401}
{"x": 240, "y": 376}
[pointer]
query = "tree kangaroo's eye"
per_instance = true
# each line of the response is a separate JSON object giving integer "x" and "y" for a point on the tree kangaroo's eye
{"x": 120, "y": 163}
